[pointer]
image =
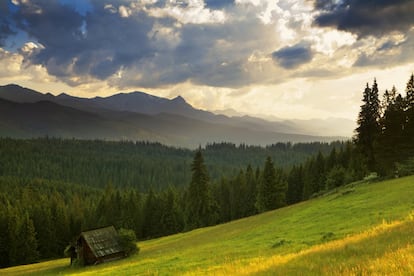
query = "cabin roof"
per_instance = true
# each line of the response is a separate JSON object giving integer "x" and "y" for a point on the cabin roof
{"x": 102, "y": 241}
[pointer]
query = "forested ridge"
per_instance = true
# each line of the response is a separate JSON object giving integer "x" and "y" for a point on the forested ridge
{"x": 136, "y": 164}
{"x": 51, "y": 189}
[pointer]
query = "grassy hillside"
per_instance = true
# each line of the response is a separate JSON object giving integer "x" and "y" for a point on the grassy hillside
{"x": 362, "y": 228}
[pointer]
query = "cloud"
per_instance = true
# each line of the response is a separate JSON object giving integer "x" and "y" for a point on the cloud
{"x": 204, "y": 54}
{"x": 387, "y": 46}
{"x": 210, "y": 53}
{"x": 5, "y": 32}
{"x": 5, "y": 27}
{"x": 13, "y": 69}
{"x": 364, "y": 17}
{"x": 218, "y": 4}
{"x": 151, "y": 44}
{"x": 185, "y": 12}
{"x": 75, "y": 47}
{"x": 292, "y": 57}
{"x": 141, "y": 44}
{"x": 388, "y": 51}
{"x": 159, "y": 44}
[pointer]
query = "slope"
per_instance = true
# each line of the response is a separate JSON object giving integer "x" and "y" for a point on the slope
{"x": 140, "y": 103}
{"x": 347, "y": 231}
{"x": 46, "y": 118}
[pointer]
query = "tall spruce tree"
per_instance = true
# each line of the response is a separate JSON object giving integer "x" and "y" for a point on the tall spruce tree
{"x": 392, "y": 126}
{"x": 22, "y": 239}
{"x": 200, "y": 209}
{"x": 408, "y": 145}
{"x": 4, "y": 241}
{"x": 368, "y": 126}
{"x": 171, "y": 217}
{"x": 222, "y": 195}
{"x": 152, "y": 215}
{"x": 410, "y": 92}
{"x": 238, "y": 193}
{"x": 251, "y": 191}
{"x": 281, "y": 188}
{"x": 269, "y": 190}
{"x": 295, "y": 185}
{"x": 27, "y": 235}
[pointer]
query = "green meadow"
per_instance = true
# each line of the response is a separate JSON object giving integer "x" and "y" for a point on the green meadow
{"x": 363, "y": 228}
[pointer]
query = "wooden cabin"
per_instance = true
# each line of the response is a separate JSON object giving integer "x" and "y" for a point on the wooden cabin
{"x": 97, "y": 246}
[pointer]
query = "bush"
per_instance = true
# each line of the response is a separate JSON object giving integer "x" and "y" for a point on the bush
{"x": 335, "y": 177}
{"x": 327, "y": 236}
{"x": 128, "y": 241}
{"x": 405, "y": 168}
{"x": 372, "y": 176}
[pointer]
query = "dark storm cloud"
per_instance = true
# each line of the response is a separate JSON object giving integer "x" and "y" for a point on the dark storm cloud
{"x": 5, "y": 27}
{"x": 78, "y": 44}
{"x": 364, "y": 17}
{"x": 5, "y": 32}
{"x": 293, "y": 56}
{"x": 218, "y": 4}
{"x": 97, "y": 44}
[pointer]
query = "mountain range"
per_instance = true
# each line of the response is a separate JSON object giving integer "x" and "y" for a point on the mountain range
{"x": 27, "y": 113}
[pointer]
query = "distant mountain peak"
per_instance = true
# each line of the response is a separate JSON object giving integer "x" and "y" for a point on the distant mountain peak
{"x": 63, "y": 95}
{"x": 18, "y": 88}
{"x": 13, "y": 85}
{"x": 179, "y": 99}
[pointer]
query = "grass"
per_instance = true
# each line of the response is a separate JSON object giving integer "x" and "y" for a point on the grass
{"x": 360, "y": 229}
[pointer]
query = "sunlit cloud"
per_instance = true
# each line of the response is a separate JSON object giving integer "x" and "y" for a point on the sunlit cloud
{"x": 271, "y": 58}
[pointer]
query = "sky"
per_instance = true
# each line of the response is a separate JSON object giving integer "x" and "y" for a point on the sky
{"x": 298, "y": 59}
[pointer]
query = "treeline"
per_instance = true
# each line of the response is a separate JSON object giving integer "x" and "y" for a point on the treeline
{"x": 39, "y": 217}
{"x": 385, "y": 134}
{"x": 140, "y": 165}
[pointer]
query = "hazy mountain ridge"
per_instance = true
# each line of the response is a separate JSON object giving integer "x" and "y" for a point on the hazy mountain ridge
{"x": 134, "y": 116}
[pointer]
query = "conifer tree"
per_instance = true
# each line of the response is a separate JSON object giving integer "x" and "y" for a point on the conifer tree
{"x": 319, "y": 173}
{"x": 4, "y": 237}
{"x": 171, "y": 217}
{"x": 268, "y": 192}
{"x": 134, "y": 213}
{"x": 251, "y": 184}
{"x": 408, "y": 145}
{"x": 13, "y": 237}
{"x": 222, "y": 196}
{"x": 410, "y": 92}
{"x": 27, "y": 235}
{"x": 331, "y": 160}
{"x": 314, "y": 176}
{"x": 308, "y": 180}
{"x": 238, "y": 193}
{"x": 22, "y": 239}
{"x": 388, "y": 99}
{"x": 281, "y": 188}
{"x": 200, "y": 210}
{"x": 152, "y": 216}
{"x": 368, "y": 126}
{"x": 44, "y": 225}
{"x": 295, "y": 185}
{"x": 392, "y": 127}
